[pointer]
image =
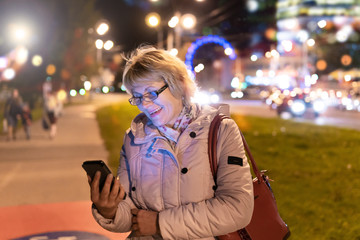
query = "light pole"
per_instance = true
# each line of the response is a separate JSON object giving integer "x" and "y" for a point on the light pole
{"x": 101, "y": 29}
{"x": 153, "y": 20}
{"x": 179, "y": 23}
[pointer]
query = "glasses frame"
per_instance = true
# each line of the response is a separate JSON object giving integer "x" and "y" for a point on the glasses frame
{"x": 149, "y": 96}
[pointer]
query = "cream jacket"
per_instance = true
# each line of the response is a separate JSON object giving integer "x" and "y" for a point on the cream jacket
{"x": 178, "y": 182}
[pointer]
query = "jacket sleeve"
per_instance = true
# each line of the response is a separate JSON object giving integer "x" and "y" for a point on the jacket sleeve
{"x": 122, "y": 220}
{"x": 232, "y": 206}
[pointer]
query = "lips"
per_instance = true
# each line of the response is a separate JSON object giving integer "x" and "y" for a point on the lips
{"x": 155, "y": 112}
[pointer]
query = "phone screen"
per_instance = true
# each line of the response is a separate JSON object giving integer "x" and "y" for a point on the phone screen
{"x": 92, "y": 166}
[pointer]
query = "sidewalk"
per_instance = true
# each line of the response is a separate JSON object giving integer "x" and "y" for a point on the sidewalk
{"x": 43, "y": 188}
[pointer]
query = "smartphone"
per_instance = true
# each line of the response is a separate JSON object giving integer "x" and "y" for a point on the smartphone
{"x": 92, "y": 166}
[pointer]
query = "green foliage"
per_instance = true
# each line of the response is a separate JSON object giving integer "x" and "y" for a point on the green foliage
{"x": 315, "y": 169}
{"x": 114, "y": 120}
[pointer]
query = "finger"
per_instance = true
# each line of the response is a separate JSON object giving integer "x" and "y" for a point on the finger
{"x": 115, "y": 189}
{"x": 135, "y": 227}
{"x": 122, "y": 194}
{"x": 106, "y": 188}
{"x": 96, "y": 180}
{"x": 89, "y": 179}
{"x": 94, "y": 191}
{"x": 134, "y": 211}
{"x": 135, "y": 234}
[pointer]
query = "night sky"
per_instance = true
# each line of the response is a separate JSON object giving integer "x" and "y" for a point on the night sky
{"x": 228, "y": 18}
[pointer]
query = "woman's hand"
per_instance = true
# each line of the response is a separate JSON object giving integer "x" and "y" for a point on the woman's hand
{"x": 107, "y": 201}
{"x": 145, "y": 222}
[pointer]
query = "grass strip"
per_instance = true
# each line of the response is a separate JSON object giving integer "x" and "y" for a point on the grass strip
{"x": 315, "y": 169}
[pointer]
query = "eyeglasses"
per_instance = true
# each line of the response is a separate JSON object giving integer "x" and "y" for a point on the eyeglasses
{"x": 148, "y": 97}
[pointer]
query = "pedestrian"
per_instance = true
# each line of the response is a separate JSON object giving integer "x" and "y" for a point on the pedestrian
{"x": 50, "y": 108}
{"x": 12, "y": 113}
{"x": 165, "y": 188}
{"x": 26, "y": 118}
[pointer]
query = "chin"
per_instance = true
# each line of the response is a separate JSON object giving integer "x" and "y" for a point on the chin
{"x": 157, "y": 123}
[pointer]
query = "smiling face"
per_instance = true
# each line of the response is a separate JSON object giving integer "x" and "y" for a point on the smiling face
{"x": 162, "y": 111}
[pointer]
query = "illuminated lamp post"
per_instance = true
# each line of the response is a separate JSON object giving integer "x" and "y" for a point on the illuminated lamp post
{"x": 179, "y": 23}
{"x": 153, "y": 20}
{"x": 101, "y": 29}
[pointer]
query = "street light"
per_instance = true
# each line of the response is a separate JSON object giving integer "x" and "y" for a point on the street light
{"x": 108, "y": 45}
{"x": 102, "y": 28}
{"x": 188, "y": 21}
{"x": 19, "y": 32}
{"x": 153, "y": 20}
{"x": 179, "y": 22}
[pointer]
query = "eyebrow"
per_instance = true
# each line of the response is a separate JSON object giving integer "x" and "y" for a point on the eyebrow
{"x": 147, "y": 90}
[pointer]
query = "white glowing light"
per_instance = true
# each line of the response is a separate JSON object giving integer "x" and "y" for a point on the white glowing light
{"x": 21, "y": 55}
{"x": 73, "y": 92}
{"x": 347, "y": 78}
{"x": 87, "y": 85}
{"x": 287, "y": 45}
{"x": 173, "y": 21}
{"x": 152, "y": 19}
{"x": 310, "y": 42}
{"x": 253, "y": 58}
{"x": 102, "y": 28}
{"x": 259, "y": 73}
{"x": 36, "y": 60}
{"x": 3, "y": 62}
{"x": 108, "y": 45}
{"x": 9, "y": 73}
{"x": 235, "y": 82}
{"x": 199, "y": 67}
{"x": 205, "y": 98}
{"x": 303, "y": 35}
{"x": 105, "y": 89}
{"x": 82, "y": 92}
{"x": 252, "y": 5}
{"x": 275, "y": 53}
{"x": 322, "y": 23}
{"x": 237, "y": 94}
{"x": 214, "y": 98}
{"x": 174, "y": 51}
{"x": 99, "y": 44}
{"x": 188, "y": 21}
{"x": 298, "y": 107}
{"x": 228, "y": 51}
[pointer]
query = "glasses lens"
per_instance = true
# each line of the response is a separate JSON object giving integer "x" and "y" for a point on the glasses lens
{"x": 134, "y": 101}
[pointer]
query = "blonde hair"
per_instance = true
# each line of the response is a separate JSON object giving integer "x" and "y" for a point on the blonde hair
{"x": 148, "y": 64}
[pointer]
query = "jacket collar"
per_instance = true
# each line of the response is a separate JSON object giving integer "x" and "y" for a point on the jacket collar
{"x": 144, "y": 131}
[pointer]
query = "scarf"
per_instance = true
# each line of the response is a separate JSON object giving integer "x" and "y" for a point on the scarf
{"x": 186, "y": 116}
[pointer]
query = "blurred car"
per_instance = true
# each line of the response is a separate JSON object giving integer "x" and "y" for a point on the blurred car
{"x": 295, "y": 104}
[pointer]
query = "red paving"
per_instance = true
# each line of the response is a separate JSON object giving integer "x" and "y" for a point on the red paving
{"x": 25, "y": 220}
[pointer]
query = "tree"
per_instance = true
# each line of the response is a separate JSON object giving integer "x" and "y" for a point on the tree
{"x": 59, "y": 34}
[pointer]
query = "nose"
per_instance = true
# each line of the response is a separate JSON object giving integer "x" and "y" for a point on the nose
{"x": 145, "y": 103}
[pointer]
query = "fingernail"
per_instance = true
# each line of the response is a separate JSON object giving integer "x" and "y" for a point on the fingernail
{"x": 117, "y": 178}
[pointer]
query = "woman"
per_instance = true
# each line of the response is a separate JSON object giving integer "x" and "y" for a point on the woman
{"x": 50, "y": 105}
{"x": 12, "y": 113}
{"x": 164, "y": 167}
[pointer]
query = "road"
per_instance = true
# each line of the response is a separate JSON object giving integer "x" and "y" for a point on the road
{"x": 332, "y": 117}
{"x": 43, "y": 189}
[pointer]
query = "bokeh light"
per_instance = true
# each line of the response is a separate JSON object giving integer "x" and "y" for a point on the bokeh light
{"x": 36, "y": 60}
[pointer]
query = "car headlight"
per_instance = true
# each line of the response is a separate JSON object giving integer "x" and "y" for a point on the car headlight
{"x": 319, "y": 106}
{"x": 298, "y": 107}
